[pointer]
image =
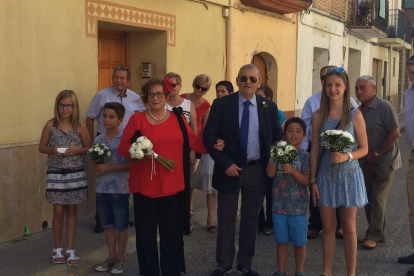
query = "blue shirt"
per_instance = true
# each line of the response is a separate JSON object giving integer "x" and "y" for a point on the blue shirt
{"x": 253, "y": 147}
{"x": 112, "y": 182}
{"x": 282, "y": 117}
{"x": 312, "y": 104}
{"x": 409, "y": 116}
{"x": 289, "y": 196}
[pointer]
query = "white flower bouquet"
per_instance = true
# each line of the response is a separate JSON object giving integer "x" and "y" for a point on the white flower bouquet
{"x": 337, "y": 141}
{"x": 143, "y": 147}
{"x": 99, "y": 153}
{"x": 283, "y": 153}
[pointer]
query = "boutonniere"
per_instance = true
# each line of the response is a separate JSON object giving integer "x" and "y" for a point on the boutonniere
{"x": 264, "y": 106}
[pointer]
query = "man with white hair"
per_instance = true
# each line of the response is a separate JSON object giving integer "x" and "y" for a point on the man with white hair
{"x": 383, "y": 157}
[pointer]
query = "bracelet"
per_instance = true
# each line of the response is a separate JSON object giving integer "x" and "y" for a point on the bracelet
{"x": 312, "y": 183}
{"x": 350, "y": 157}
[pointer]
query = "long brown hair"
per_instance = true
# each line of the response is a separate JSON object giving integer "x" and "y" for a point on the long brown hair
{"x": 75, "y": 112}
{"x": 325, "y": 106}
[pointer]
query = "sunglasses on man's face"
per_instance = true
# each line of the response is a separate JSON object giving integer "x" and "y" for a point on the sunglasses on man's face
{"x": 198, "y": 87}
{"x": 335, "y": 70}
{"x": 253, "y": 79}
{"x": 174, "y": 85}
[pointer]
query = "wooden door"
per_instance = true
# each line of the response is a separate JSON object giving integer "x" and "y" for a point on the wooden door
{"x": 113, "y": 50}
{"x": 261, "y": 65}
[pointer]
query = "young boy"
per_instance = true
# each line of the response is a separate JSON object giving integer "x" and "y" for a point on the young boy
{"x": 291, "y": 200}
{"x": 112, "y": 193}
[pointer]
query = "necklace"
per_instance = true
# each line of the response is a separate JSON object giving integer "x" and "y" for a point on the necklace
{"x": 152, "y": 116}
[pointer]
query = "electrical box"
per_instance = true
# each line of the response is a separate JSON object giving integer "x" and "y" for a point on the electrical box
{"x": 146, "y": 70}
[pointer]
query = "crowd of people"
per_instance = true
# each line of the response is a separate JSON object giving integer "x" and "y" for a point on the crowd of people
{"x": 224, "y": 149}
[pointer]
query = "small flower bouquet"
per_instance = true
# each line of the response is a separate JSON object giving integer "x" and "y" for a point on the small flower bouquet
{"x": 99, "y": 153}
{"x": 337, "y": 141}
{"x": 283, "y": 153}
{"x": 143, "y": 147}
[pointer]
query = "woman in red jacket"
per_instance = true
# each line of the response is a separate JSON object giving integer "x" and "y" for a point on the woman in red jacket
{"x": 161, "y": 197}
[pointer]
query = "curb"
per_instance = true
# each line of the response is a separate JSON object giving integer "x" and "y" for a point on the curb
{"x": 87, "y": 261}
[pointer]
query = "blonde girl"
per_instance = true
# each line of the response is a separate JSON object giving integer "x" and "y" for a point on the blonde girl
{"x": 65, "y": 140}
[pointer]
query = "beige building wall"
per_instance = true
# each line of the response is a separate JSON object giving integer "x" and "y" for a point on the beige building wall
{"x": 48, "y": 46}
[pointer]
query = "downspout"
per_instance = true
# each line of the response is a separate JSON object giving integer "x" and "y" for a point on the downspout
{"x": 229, "y": 43}
{"x": 389, "y": 74}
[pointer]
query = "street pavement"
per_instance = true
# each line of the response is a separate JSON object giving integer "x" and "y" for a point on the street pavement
{"x": 32, "y": 256}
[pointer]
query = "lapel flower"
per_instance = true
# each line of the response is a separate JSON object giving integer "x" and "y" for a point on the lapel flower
{"x": 264, "y": 105}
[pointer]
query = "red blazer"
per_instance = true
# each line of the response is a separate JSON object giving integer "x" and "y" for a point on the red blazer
{"x": 167, "y": 139}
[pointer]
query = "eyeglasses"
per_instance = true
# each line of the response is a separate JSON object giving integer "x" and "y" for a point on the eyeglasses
{"x": 68, "y": 106}
{"x": 198, "y": 87}
{"x": 159, "y": 95}
{"x": 253, "y": 79}
{"x": 335, "y": 69}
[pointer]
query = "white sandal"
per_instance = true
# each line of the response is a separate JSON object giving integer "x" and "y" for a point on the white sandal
{"x": 72, "y": 257}
{"x": 57, "y": 256}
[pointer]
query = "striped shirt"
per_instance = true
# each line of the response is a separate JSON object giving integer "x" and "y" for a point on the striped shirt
{"x": 409, "y": 116}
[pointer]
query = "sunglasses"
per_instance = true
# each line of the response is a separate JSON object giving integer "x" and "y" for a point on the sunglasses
{"x": 198, "y": 87}
{"x": 174, "y": 85}
{"x": 335, "y": 69}
{"x": 253, "y": 79}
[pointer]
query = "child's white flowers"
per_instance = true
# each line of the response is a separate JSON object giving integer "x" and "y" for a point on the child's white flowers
{"x": 99, "y": 153}
{"x": 283, "y": 153}
{"x": 337, "y": 141}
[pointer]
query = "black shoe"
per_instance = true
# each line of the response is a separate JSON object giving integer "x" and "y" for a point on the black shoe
{"x": 247, "y": 271}
{"x": 407, "y": 259}
{"x": 410, "y": 272}
{"x": 98, "y": 228}
{"x": 220, "y": 272}
{"x": 131, "y": 223}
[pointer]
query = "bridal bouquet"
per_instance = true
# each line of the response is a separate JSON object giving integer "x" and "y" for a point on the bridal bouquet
{"x": 99, "y": 153}
{"x": 283, "y": 153}
{"x": 143, "y": 147}
{"x": 337, "y": 141}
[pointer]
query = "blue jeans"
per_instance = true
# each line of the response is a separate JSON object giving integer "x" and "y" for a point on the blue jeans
{"x": 113, "y": 210}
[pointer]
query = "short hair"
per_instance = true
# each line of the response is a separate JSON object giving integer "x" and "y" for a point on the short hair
{"x": 117, "y": 107}
{"x": 249, "y": 66}
{"x": 148, "y": 85}
{"x": 203, "y": 78}
{"x": 323, "y": 69}
{"x": 370, "y": 79}
{"x": 174, "y": 75}
{"x": 410, "y": 61}
{"x": 122, "y": 68}
{"x": 227, "y": 84}
{"x": 267, "y": 91}
{"x": 295, "y": 120}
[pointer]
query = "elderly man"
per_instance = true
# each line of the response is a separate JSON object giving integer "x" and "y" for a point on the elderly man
{"x": 118, "y": 92}
{"x": 383, "y": 157}
{"x": 409, "y": 134}
{"x": 312, "y": 104}
{"x": 251, "y": 126}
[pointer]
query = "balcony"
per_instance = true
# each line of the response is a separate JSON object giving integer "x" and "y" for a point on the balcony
{"x": 370, "y": 18}
{"x": 399, "y": 31}
{"x": 279, "y": 6}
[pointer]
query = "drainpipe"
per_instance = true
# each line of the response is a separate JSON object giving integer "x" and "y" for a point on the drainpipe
{"x": 389, "y": 72}
{"x": 229, "y": 43}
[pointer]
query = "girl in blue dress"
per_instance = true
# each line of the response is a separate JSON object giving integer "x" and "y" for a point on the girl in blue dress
{"x": 342, "y": 186}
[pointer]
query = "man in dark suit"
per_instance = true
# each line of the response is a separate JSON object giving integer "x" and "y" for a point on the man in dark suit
{"x": 248, "y": 124}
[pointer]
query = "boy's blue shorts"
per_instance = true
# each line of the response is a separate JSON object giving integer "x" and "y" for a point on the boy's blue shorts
{"x": 113, "y": 210}
{"x": 290, "y": 228}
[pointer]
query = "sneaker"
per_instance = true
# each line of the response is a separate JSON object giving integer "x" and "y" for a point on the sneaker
{"x": 299, "y": 274}
{"x": 407, "y": 259}
{"x": 279, "y": 273}
{"x": 109, "y": 263}
{"x": 119, "y": 267}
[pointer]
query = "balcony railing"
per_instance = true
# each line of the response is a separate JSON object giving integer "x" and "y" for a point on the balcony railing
{"x": 371, "y": 13}
{"x": 400, "y": 26}
{"x": 279, "y": 6}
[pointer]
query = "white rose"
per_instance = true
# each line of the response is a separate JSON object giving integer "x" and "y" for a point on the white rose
{"x": 100, "y": 152}
{"x": 137, "y": 146}
{"x": 141, "y": 138}
{"x": 139, "y": 154}
{"x": 96, "y": 149}
{"x": 146, "y": 144}
{"x": 281, "y": 144}
{"x": 131, "y": 151}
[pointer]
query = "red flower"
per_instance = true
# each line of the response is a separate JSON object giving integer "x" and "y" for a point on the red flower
{"x": 167, "y": 86}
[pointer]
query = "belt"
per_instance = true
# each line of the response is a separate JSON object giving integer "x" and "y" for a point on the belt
{"x": 253, "y": 162}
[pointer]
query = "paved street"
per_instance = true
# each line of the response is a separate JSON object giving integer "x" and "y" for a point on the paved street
{"x": 200, "y": 246}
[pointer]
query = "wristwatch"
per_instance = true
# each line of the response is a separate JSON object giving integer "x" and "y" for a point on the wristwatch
{"x": 376, "y": 154}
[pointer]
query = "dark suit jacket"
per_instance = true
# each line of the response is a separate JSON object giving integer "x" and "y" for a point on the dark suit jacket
{"x": 223, "y": 123}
